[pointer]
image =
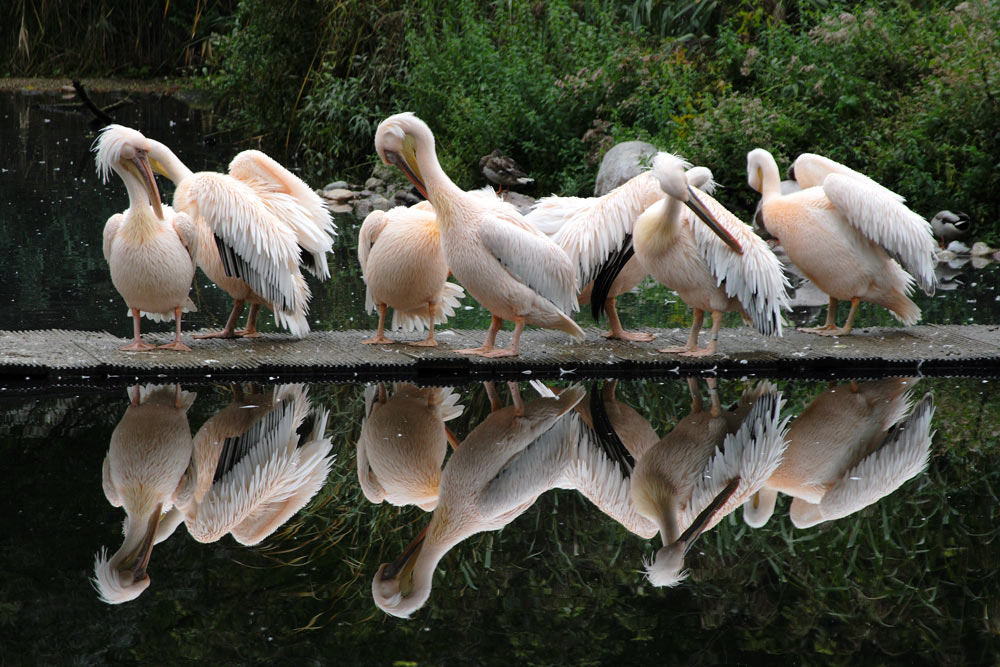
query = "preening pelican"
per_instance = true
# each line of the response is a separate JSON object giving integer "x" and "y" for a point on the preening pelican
{"x": 259, "y": 461}
{"x": 707, "y": 273}
{"x": 403, "y": 442}
{"x": 854, "y": 444}
{"x": 144, "y": 474}
{"x": 257, "y": 225}
{"x": 841, "y": 230}
{"x": 403, "y": 267}
{"x": 596, "y": 232}
{"x": 150, "y": 248}
{"x": 704, "y": 468}
{"x": 496, "y": 474}
{"x": 511, "y": 268}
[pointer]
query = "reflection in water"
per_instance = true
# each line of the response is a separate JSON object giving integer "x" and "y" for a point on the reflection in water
{"x": 403, "y": 442}
{"x": 494, "y": 475}
{"x": 854, "y": 444}
{"x": 149, "y": 454}
{"x": 247, "y": 471}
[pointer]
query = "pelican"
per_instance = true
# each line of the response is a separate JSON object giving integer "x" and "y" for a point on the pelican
{"x": 720, "y": 272}
{"x": 854, "y": 444}
{"x": 144, "y": 473}
{"x": 511, "y": 268}
{"x": 502, "y": 170}
{"x": 496, "y": 474}
{"x": 403, "y": 442}
{"x": 705, "y": 468}
{"x": 596, "y": 231}
{"x": 842, "y": 230}
{"x": 150, "y": 248}
{"x": 260, "y": 461}
{"x": 256, "y": 226}
{"x": 403, "y": 266}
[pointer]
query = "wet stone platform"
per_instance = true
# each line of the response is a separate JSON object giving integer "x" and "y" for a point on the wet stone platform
{"x": 39, "y": 359}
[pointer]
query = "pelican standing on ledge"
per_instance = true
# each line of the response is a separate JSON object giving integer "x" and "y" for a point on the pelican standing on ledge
{"x": 149, "y": 248}
{"x": 511, "y": 268}
{"x": 732, "y": 269}
{"x": 257, "y": 225}
{"x": 596, "y": 233}
{"x": 403, "y": 266}
{"x": 840, "y": 230}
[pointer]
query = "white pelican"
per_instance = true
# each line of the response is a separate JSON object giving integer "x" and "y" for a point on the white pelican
{"x": 259, "y": 461}
{"x": 150, "y": 248}
{"x": 256, "y": 226}
{"x": 707, "y": 273}
{"x": 403, "y": 267}
{"x": 854, "y": 444}
{"x": 143, "y": 473}
{"x": 511, "y": 268}
{"x": 403, "y": 441}
{"x": 842, "y": 230}
{"x": 703, "y": 469}
{"x": 597, "y": 232}
{"x": 496, "y": 474}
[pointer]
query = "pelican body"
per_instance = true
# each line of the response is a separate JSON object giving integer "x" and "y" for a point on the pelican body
{"x": 840, "y": 230}
{"x": 403, "y": 267}
{"x": 511, "y": 268}
{"x": 149, "y": 248}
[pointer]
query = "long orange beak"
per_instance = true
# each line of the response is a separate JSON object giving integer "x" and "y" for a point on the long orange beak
{"x": 697, "y": 526}
{"x": 696, "y": 205}
{"x": 141, "y": 161}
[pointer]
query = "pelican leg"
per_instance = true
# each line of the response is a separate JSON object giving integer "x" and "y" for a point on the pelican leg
{"x": 696, "y": 404}
{"x": 515, "y": 395}
{"x": 512, "y": 350}
{"x": 230, "y": 330}
{"x": 380, "y": 334}
{"x": 136, "y": 345}
{"x": 251, "y": 330}
{"x": 831, "y": 321}
{"x": 429, "y": 341}
{"x": 491, "y": 338}
{"x": 177, "y": 344}
{"x": 692, "y": 344}
{"x": 713, "y": 343}
{"x": 713, "y": 394}
{"x": 848, "y": 325}
{"x": 616, "y": 325}
{"x": 493, "y": 396}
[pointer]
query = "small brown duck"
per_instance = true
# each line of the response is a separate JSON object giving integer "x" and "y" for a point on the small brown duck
{"x": 502, "y": 170}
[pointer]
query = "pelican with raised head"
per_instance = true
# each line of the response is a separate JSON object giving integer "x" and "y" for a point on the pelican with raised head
{"x": 511, "y": 268}
{"x": 842, "y": 230}
{"x": 258, "y": 226}
{"x": 150, "y": 248}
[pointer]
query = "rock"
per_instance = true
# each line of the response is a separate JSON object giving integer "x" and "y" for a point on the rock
{"x": 339, "y": 194}
{"x": 373, "y": 183}
{"x": 340, "y": 208}
{"x": 336, "y": 185}
{"x": 404, "y": 198}
{"x": 980, "y": 249}
{"x": 522, "y": 203}
{"x": 981, "y": 261}
{"x": 364, "y": 194}
{"x": 362, "y": 207}
{"x": 624, "y": 161}
{"x": 380, "y": 203}
{"x": 958, "y": 248}
{"x": 945, "y": 255}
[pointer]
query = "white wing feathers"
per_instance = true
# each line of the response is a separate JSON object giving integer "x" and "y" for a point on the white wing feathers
{"x": 531, "y": 257}
{"x": 811, "y": 170}
{"x": 755, "y": 278}
{"x": 887, "y": 222}
{"x": 549, "y": 214}
{"x": 419, "y": 319}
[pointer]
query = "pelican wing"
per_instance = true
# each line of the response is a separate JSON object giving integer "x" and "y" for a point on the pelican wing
{"x": 373, "y": 225}
{"x": 903, "y": 455}
{"x": 754, "y": 277}
{"x": 811, "y": 170}
{"x": 254, "y": 244}
{"x": 111, "y": 228}
{"x": 531, "y": 257}
{"x": 549, "y": 214}
{"x": 186, "y": 230}
{"x": 887, "y": 222}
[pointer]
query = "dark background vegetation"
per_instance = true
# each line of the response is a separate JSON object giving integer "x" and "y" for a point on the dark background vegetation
{"x": 907, "y": 92}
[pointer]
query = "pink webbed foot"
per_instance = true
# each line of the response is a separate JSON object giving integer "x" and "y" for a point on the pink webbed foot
{"x": 137, "y": 346}
{"x": 427, "y": 342}
{"x": 377, "y": 340}
{"x": 176, "y": 345}
{"x": 638, "y": 336}
{"x": 502, "y": 352}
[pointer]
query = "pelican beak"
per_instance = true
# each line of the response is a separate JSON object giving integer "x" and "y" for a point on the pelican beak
{"x": 697, "y": 526}
{"x": 138, "y": 560}
{"x": 402, "y": 568}
{"x": 141, "y": 161}
{"x": 706, "y": 216}
{"x": 406, "y": 160}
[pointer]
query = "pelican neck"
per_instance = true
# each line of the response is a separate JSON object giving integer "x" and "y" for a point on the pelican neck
{"x": 176, "y": 170}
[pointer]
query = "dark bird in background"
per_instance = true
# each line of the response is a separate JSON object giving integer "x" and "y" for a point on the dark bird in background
{"x": 948, "y": 226}
{"x": 502, "y": 170}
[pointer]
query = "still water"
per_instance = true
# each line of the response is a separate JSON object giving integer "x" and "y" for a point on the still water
{"x": 539, "y": 542}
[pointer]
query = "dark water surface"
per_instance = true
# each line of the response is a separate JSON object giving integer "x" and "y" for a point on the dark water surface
{"x": 911, "y": 576}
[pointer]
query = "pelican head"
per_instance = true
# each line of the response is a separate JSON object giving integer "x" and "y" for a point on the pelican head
{"x": 396, "y": 588}
{"x": 758, "y": 510}
{"x": 670, "y": 171}
{"x": 123, "y": 577}
{"x": 667, "y": 566}
{"x": 760, "y": 167}
{"x": 126, "y": 151}
{"x": 396, "y": 145}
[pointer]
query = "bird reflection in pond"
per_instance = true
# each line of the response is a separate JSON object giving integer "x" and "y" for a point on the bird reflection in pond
{"x": 853, "y": 445}
{"x": 403, "y": 443}
{"x": 144, "y": 473}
